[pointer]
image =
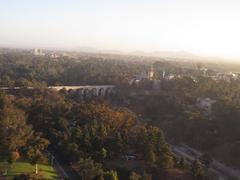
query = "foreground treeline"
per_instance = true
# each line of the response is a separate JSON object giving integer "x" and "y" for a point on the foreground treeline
{"x": 93, "y": 137}
{"x": 18, "y": 140}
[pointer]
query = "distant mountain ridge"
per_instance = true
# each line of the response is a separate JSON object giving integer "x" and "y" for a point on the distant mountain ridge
{"x": 171, "y": 55}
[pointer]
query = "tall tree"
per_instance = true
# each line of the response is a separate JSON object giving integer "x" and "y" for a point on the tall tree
{"x": 90, "y": 170}
{"x": 14, "y": 131}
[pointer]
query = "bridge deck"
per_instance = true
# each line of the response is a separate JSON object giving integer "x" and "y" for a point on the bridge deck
{"x": 81, "y": 87}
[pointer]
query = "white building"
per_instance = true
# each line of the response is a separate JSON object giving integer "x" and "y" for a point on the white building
{"x": 38, "y": 52}
{"x": 205, "y": 104}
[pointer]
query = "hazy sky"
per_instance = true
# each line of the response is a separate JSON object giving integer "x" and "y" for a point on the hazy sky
{"x": 208, "y": 27}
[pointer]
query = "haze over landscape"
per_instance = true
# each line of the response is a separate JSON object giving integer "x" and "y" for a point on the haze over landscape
{"x": 208, "y": 28}
{"x": 120, "y": 90}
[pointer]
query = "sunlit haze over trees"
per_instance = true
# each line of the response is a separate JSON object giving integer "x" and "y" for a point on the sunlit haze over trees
{"x": 120, "y": 90}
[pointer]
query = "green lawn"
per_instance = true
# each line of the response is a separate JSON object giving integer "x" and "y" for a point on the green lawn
{"x": 45, "y": 171}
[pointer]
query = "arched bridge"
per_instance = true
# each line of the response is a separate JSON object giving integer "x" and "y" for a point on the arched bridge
{"x": 85, "y": 91}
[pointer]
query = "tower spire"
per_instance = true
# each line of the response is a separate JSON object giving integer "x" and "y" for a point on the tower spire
{"x": 151, "y": 73}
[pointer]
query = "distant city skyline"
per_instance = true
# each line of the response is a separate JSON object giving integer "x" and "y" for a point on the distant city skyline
{"x": 202, "y": 27}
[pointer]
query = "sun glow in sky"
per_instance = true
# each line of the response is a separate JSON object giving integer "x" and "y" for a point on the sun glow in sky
{"x": 205, "y": 27}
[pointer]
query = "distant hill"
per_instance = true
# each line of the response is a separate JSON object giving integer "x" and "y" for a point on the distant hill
{"x": 183, "y": 55}
{"x": 168, "y": 55}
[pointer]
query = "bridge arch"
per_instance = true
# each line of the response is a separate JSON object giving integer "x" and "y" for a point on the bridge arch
{"x": 101, "y": 92}
{"x": 86, "y": 92}
{"x": 94, "y": 92}
{"x": 108, "y": 91}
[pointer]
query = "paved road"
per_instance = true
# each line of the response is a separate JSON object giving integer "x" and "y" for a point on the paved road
{"x": 63, "y": 169}
{"x": 219, "y": 169}
{"x": 60, "y": 171}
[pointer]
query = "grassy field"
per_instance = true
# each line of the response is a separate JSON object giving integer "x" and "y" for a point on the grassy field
{"x": 45, "y": 171}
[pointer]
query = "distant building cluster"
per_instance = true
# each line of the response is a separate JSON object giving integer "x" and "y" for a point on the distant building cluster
{"x": 146, "y": 77}
{"x": 219, "y": 76}
{"x": 51, "y": 54}
{"x": 226, "y": 76}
